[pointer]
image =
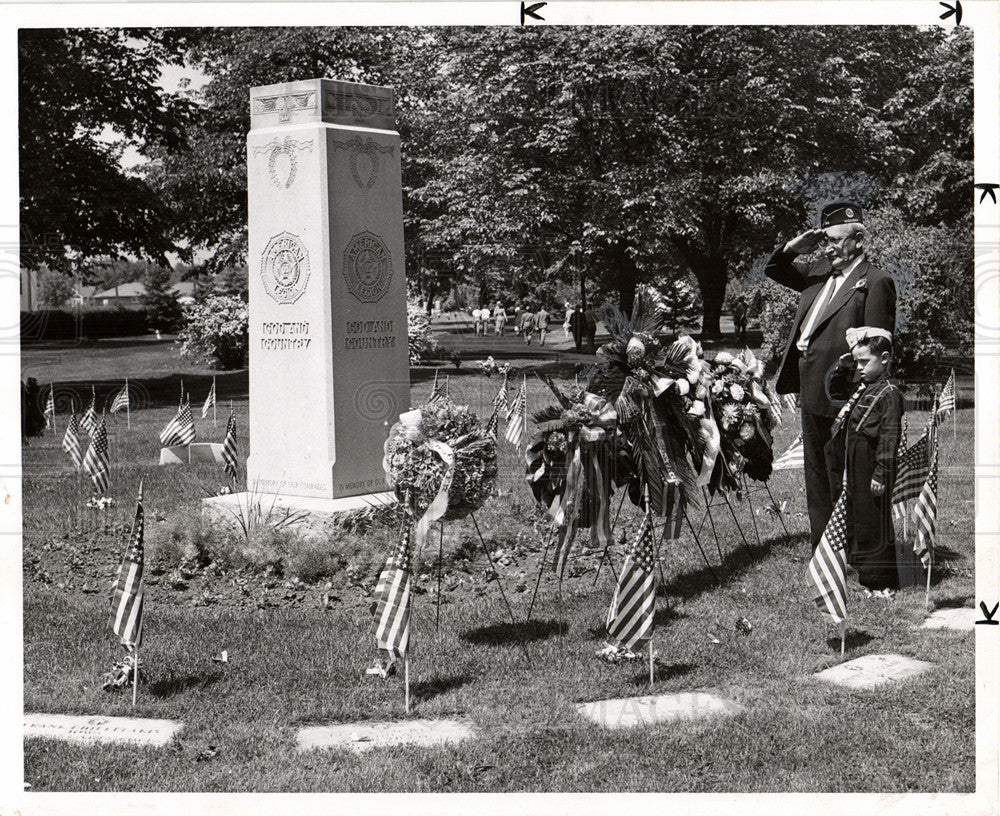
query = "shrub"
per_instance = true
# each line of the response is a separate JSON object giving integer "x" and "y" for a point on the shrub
{"x": 217, "y": 332}
{"x": 776, "y": 318}
{"x": 421, "y": 341}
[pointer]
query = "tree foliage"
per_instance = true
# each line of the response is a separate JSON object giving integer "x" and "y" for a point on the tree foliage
{"x": 85, "y": 95}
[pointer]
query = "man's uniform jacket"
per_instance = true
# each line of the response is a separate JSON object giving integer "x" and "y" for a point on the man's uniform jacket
{"x": 867, "y": 297}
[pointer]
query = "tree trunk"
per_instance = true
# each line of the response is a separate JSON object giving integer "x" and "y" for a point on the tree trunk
{"x": 624, "y": 268}
{"x": 711, "y": 274}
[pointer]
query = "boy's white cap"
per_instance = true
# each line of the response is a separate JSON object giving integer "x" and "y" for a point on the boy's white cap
{"x": 856, "y": 336}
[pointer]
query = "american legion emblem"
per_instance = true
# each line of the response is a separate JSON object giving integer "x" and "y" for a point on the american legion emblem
{"x": 367, "y": 267}
{"x": 284, "y": 267}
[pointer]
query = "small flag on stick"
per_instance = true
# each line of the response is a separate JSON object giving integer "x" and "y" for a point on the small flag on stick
{"x": 392, "y": 597}
{"x": 180, "y": 429}
{"x": 516, "y": 417}
{"x": 50, "y": 410}
{"x": 209, "y": 400}
{"x": 793, "y": 458}
{"x": 121, "y": 399}
{"x": 493, "y": 425}
{"x": 71, "y": 441}
{"x": 899, "y": 510}
{"x": 126, "y": 597}
{"x": 229, "y": 446}
{"x": 925, "y": 512}
{"x": 828, "y": 567}
{"x": 946, "y": 402}
{"x": 89, "y": 419}
{"x": 501, "y": 398}
{"x": 96, "y": 462}
{"x": 440, "y": 388}
{"x": 630, "y": 617}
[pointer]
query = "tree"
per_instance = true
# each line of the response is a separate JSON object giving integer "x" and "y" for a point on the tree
{"x": 163, "y": 312}
{"x": 54, "y": 288}
{"x": 75, "y": 87}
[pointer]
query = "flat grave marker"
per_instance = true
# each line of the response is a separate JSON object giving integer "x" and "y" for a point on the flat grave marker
{"x": 628, "y": 712}
{"x": 869, "y": 671}
{"x": 961, "y": 619}
{"x": 88, "y": 729}
{"x": 363, "y": 736}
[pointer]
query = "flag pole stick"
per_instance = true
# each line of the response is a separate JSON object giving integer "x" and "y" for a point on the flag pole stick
{"x": 406, "y": 680}
{"x": 843, "y": 636}
{"x": 437, "y": 614}
{"x": 650, "y": 662}
{"x": 215, "y": 396}
{"x": 135, "y": 673}
{"x": 927, "y": 591}
{"x": 128, "y": 407}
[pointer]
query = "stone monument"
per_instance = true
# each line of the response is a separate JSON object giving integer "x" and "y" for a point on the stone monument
{"x": 329, "y": 362}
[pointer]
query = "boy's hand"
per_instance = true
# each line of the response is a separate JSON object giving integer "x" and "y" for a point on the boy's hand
{"x": 878, "y": 489}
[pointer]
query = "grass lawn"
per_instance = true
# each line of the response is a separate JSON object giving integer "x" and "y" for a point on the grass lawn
{"x": 298, "y": 630}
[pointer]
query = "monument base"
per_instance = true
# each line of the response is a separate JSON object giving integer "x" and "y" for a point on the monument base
{"x": 300, "y": 513}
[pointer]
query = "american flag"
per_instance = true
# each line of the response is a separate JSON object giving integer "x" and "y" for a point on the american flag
{"x": 911, "y": 473}
{"x": 494, "y": 424}
{"x": 828, "y": 567}
{"x": 229, "y": 446}
{"x": 180, "y": 429}
{"x": 392, "y": 596}
{"x": 792, "y": 458}
{"x": 516, "y": 417}
{"x": 126, "y": 597}
{"x": 50, "y": 409}
{"x": 630, "y": 616}
{"x": 925, "y": 513}
{"x": 440, "y": 388}
{"x": 946, "y": 402}
{"x": 121, "y": 400}
{"x": 500, "y": 400}
{"x": 791, "y": 401}
{"x": 89, "y": 419}
{"x": 96, "y": 463}
{"x": 899, "y": 510}
{"x": 209, "y": 400}
{"x": 71, "y": 441}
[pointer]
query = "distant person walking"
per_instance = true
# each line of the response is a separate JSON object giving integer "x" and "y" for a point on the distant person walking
{"x": 518, "y": 311}
{"x": 527, "y": 325}
{"x": 577, "y": 324}
{"x": 566, "y": 323}
{"x": 499, "y": 318}
{"x": 542, "y": 324}
{"x": 477, "y": 320}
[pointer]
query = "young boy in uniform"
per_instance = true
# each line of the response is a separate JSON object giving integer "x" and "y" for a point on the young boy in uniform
{"x": 869, "y": 427}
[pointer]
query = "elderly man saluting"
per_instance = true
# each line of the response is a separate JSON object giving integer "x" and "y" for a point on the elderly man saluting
{"x": 841, "y": 290}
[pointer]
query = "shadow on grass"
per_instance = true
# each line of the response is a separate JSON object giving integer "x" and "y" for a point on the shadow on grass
{"x": 662, "y": 672}
{"x": 501, "y": 634}
{"x": 175, "y": 685}
{"x": 738, "y": 560}
{"x": 955, "y": 602}
{"x": 428, "y": 689}
{"x": 853, "y": 640}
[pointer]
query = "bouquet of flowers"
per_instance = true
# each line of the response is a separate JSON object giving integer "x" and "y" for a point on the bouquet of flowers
{"x": 489, "y": 367}
{"x": 438, "y": 445}
{"x": 745, "y": 414}
{"x": 570, "y": 466}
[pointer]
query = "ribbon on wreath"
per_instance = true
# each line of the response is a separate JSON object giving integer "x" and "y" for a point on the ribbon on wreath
{"x": 583, "y": 453}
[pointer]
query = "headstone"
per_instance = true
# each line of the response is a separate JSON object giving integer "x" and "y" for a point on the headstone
{"x": 961, "y": 619}
{"x": 629, "y": 712}
{"x": 869, "y": 671}
{"x": 329, "y": 361}
{"x": 89, "y": 730}
{"x": 363, "y": 736}
{"x": 191, "y": 454}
